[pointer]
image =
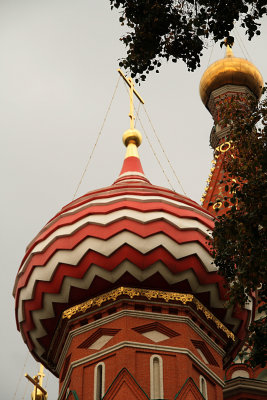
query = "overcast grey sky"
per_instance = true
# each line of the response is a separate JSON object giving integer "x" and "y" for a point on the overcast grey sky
{"x": 58, "y": 70}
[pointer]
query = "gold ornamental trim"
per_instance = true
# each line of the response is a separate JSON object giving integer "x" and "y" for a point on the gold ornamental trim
{"x": 148, "y": 294}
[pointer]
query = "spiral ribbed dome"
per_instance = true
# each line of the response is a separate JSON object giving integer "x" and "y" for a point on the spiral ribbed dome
{"x": 131, "y": 233}
{"x": 233, "y": 71}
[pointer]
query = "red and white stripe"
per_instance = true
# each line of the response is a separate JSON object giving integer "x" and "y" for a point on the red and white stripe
{"x": 129, "y": 232}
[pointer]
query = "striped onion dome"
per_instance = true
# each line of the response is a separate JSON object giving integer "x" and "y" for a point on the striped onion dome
{"x": 130, "y": 233}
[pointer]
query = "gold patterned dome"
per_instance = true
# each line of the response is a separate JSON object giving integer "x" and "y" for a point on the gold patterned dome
{"x": 230, "y": 71}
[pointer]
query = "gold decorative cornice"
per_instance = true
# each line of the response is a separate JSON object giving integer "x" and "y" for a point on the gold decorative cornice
{"x": 148, "y": 294}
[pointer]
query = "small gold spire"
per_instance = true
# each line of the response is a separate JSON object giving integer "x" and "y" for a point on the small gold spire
{"x": 132, "y": 138}
{"x": 229, "y": 42}
{"x": 132, "y": 135}
{"x": 228, "y": 51}
{"x": 131, "y": 150}
{"x": 38, "y": 393}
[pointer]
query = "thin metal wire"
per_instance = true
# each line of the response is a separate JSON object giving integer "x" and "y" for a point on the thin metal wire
{"x": 163, "y": 151}
{"x": 150, "y": 144}
{"x": 242, "y": 45}
{"x": 239, "y": 43}
{"x": 27, "y": 388}
{"x": 47, "y": 378}
{"x": 212, "y": 48}
{"x": 97, "y": 139}
{"x": 21, "y": 375}
{"x": 152, "y": 148}
{"x": 137, "y": 112}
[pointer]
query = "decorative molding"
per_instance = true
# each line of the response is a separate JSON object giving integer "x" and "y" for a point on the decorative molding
{"x": 100, "y": 378}
{"x": 156, "y": 326}
{"x": 65, "y": 368}
{"x": 238, "y": 366}
{"x": 148, "y": 294}
{"x": 189, "y": 388}
{"x": 234, "y": 387}
{"x": 226, "y": 91}
{"x": 155, "y": 348}
{"x": 153, "y": 384}
{"x": 96, "y": 335}
{"x": 204, "y": 349}
{"x": 217, "y": 135}
{"x": 138, "y": 314}
{"x": 203, "y": 387}
{"x": 124, "y": 377}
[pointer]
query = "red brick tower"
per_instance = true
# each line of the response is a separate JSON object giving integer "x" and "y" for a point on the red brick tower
{"x": 119, "y": 298}
{"x": 223, "y": 80}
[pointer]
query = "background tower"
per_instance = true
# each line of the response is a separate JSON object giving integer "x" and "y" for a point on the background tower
{"x": 224, "y": 79}
{"x": 230, "y": 79}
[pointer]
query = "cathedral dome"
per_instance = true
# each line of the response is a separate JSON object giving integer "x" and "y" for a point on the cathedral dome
{"x": 230, "y": 71}
{"x": 130, "y": 233}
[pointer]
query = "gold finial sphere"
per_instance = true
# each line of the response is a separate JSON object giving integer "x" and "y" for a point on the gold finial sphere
{"x": 132, "y": 135}
{"x": 230, "y": 70}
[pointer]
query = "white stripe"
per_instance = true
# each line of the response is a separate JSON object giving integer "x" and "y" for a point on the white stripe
{"x": 106, "y": 248}
{"x": 49, "y": 298}
{"x": 130, "y": 173}
{"x": 105, "y": 219}
{"x": 139, "y": 198}
{"x": 131, "y": 180}
{"x": 111, "y": 200}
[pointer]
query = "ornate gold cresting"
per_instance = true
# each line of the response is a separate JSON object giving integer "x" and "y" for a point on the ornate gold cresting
{"x": 148, "y": 294}
{"x": 132, "y": 138}
{"x": 38, "y": 393}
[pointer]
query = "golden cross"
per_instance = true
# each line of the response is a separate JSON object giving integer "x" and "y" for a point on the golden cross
{"x": 37, "y": 381}
{"x": 132, "y": 91}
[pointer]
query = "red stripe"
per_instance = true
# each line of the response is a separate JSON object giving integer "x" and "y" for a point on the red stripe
{"x": 110, "y": 263}
{"x": 105, "y": 209}
{"x": 134, "y": 189}
{"x": 131, "y": 164}
{"x": 130, "y": 178}
{"x": 106, "y": 232}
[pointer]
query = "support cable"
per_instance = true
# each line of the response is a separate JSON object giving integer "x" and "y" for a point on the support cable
{"x": 163, "y": 151}
{"x": 212, "y": 48}
{"x": 153, "y": 150}
{"x": 97, "y": 139}
{"x": 137, "y": 112}
{"x": 21, "y": 375}
{"x": 242, "y": 45}
{"x": 150, "y": 144}
{"x": 47, "y": 378}
{"x": 27, "y": 388}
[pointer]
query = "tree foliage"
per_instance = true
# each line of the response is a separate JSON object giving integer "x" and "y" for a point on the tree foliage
{"x": 240, "y": 241}
{"x": 179, "y": 29}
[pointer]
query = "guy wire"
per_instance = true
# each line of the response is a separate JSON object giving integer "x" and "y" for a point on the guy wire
{"x": 21, "y": 375}
{"x": 163, "y": 151}
{"x": 150, "y": 144}
{"x": 97, "y": 139}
